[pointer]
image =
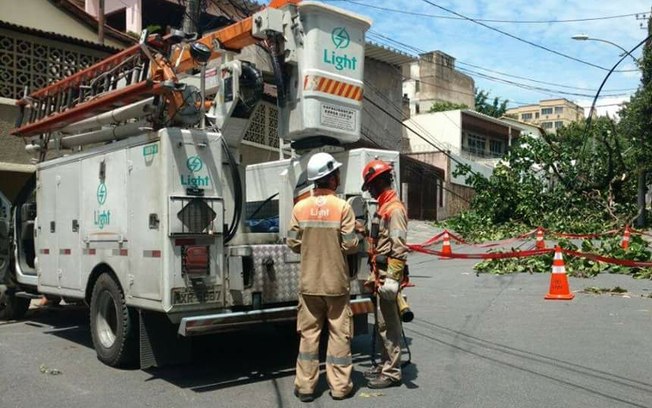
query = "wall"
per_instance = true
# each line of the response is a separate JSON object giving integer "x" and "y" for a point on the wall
{"x": 382, "y": 86}
{"x": 441, "y": 82}
{"x": 443, "y": 128}
{"x": 31, "y": 14}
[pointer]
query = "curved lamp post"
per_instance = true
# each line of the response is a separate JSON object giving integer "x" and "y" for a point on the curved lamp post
{"x": 584, "y": 37}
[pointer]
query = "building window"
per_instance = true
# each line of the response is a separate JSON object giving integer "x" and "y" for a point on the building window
{"x": 416, "y": 108}
{"x": 496, "y": 147}
{"x": 559, "y": 124}
{"x": 417, "y": 85}
{"x": 536, "y": 115}
{"x": 526, "y": 116}
{"x": 546, "y": 125}
{"x": 546, "y": 111}
{"x": 559, "y": 109}
{"x": 476, "y": 144}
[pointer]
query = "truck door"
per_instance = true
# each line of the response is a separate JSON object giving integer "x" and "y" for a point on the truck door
{"x": 5, "y": 210}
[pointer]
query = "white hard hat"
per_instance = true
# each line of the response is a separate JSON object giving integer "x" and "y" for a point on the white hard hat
{"x": 321, "y": 165}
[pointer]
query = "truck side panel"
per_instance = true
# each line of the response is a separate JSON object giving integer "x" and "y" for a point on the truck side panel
{"x": 67, "y": 227}
{"x": 146, "y": 222}
{"x": 47, "y": 245}
{"x": 104, "y": 215}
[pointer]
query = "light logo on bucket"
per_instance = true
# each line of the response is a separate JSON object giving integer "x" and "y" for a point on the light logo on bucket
{"x": 341, "y": 40}
{"x": 340, "y": 37}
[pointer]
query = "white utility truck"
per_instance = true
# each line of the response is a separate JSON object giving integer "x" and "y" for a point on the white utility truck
{"x": 139, "y": 202}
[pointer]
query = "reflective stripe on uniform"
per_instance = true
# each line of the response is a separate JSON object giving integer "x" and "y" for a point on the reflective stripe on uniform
{"x": 398, "y": 234}
{"x": 319, "y": 224}
{"x": 293, "y": 234}
{"x": 341, "y": 361}
{"x": 308, "y": 356}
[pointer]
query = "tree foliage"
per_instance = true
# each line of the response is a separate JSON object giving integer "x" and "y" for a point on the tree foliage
{"x": 446, "y": 106}
{"x": 495, "y": 108}
{"x": 569, "y": 181}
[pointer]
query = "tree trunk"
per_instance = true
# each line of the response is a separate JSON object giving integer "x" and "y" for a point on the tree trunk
{"x": 191, "y": 16}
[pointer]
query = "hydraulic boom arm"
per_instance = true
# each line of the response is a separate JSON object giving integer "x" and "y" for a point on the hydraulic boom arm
{"x": 136, "y": 73}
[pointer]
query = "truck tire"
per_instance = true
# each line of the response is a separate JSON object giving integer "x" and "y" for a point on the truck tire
{"x": 11, "y": 306}
{"x": 113, "y": 324}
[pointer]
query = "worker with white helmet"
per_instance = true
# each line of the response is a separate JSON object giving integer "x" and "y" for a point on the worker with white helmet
{"x": 322, "y": 230}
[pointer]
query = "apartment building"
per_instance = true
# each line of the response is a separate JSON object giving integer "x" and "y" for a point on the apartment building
{"x": 549, "y": 114}
{"x": 433, "y": 78}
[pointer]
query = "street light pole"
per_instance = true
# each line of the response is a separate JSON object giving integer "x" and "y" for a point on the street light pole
{"x": 584, "y": 37}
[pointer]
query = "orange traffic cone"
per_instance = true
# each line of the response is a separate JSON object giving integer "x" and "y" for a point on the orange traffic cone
{"x": 541, "y": 244}
{"x": 624, "y": 244}
{"x": 446, "y": 250}
{"x": 559, "y": 289}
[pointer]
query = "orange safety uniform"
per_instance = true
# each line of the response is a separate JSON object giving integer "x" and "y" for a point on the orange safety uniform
{"x": 322, "y": 231}
{"x": 392, "y": 249}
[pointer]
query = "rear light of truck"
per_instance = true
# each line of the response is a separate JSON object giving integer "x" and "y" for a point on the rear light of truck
{"x": 195, "y": 260}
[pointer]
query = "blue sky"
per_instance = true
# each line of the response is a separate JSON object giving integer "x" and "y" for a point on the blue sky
{"x": 474, "y": 45}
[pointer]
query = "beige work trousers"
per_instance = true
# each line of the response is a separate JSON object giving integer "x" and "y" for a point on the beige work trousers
{"x": 389, "y": 331}
{"x": 313, "y": 312}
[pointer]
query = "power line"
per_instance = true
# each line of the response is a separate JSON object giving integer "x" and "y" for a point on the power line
{"x": 542, "y": 82}
{"x": 546, "y": 91}
{"x": 415, "y": 163}
{"x": 561, "y": 54}
{"x": 493, "y": 20}
{"x": 400, "y": 121}
{"x": 532, "y": 87}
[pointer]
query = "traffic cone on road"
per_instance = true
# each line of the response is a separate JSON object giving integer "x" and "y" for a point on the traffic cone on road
{"x": 559, "y": 289}
{"x": 541, "y": 244}
{"x": 624, "y": 244}
{"x": 446, "y": 250}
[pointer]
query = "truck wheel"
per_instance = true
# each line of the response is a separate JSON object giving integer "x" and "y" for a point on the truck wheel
{"x": 11, "y": 306}
{"x": 112, "y": 324}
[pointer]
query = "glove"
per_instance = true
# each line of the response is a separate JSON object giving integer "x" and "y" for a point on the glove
{"x": 389, "y": 289}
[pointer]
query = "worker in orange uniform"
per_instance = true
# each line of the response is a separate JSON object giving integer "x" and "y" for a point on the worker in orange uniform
{"x": 388, "y": 258}
{"x": 322, "y": 230}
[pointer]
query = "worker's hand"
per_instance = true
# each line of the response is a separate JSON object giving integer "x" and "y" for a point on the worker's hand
{"x": 359, "y": 228}
{"x": 389, "y": 289}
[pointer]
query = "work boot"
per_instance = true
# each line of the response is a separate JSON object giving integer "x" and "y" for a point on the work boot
{"x": 341, "y": 397}
{"x": 373, "y": 372}
{"x": 383, "y": 382}
{"x": 303, "y": 397}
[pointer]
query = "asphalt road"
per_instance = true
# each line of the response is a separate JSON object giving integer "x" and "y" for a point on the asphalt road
{"x": 477, "y": 341}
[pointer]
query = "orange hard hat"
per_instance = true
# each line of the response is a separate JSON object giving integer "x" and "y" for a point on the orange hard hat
{"x": 372, "y": 170}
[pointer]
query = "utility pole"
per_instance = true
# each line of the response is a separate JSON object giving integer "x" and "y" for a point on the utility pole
{"x": 100, "y": 22}
{"x": 191, "y": 16}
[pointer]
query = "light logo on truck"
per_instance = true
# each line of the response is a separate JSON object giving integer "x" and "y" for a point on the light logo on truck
{"x": 103, "y": 217}
{"x": 341, "y": 40}
{"x": 194, "y": 164}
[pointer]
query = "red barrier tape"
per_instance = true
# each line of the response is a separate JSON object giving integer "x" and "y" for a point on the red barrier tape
{"x": 633, "y": 231}
{"x": 622, "y": 262}
{"x": 493, "y": 255}
{"x": 438, "y": 238}
{"x": 432, "y": 240}
{"x": 496, "y": 243}
{"x": 534, "y": 252}
{"x": 578, "y": 236}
